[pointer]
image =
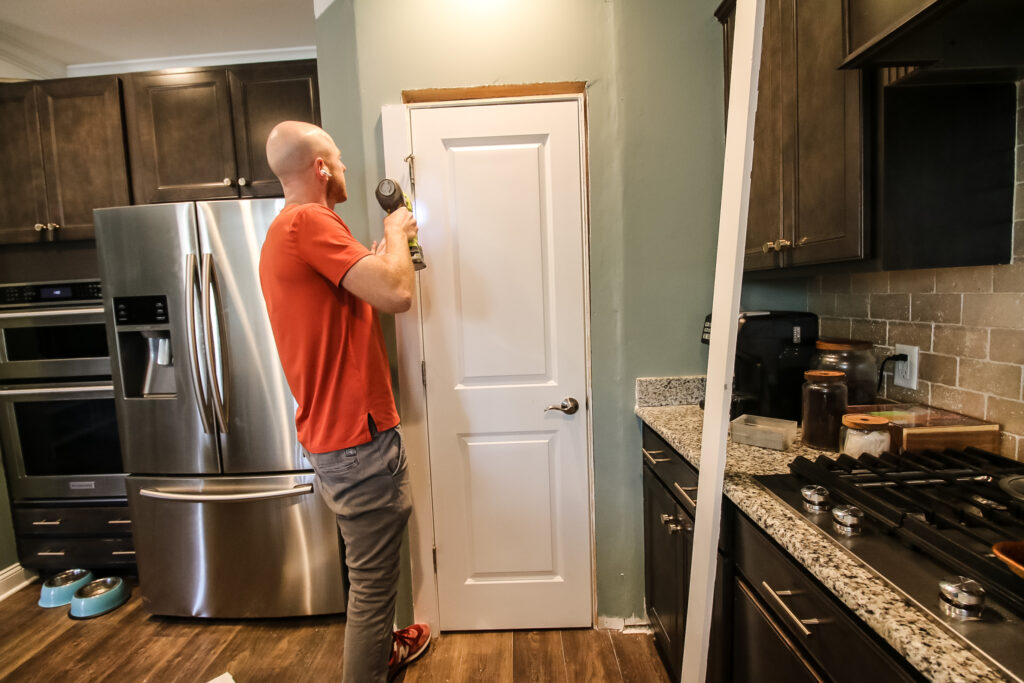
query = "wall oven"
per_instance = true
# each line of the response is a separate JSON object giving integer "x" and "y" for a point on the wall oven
{"x": 58, "y": 425}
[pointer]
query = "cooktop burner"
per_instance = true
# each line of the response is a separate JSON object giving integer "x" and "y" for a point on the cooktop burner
{"x": 927, "y": 523}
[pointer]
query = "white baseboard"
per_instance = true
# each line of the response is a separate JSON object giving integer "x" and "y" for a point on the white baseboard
{"x": 13, "y": 579}
{"x": 630, "y": 625}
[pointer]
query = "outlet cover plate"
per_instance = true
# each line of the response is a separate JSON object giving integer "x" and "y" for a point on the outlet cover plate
{"x": 905, "y": 372}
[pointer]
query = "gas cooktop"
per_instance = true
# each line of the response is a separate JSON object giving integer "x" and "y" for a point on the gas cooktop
{"x": 926, "y": 522}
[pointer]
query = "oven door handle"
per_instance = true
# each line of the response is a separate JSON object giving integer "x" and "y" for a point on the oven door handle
{"x": 299, "y": 490}
{"x": 37, "y": 314}
{"x": 45, "y": 391}
{"x": 217, "y": 392}
{"x": 191, "y": 266}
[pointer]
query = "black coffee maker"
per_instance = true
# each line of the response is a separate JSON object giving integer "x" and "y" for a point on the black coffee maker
{"x": 773, "y": 349}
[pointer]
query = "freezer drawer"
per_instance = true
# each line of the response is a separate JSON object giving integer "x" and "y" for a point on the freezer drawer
{"x": 235, "y": 547}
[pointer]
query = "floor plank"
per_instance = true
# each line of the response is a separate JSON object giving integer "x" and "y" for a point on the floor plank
{"x": 589, "y": 656}
{"x": 638, "y": 660}
{"x": 537, "y": 657}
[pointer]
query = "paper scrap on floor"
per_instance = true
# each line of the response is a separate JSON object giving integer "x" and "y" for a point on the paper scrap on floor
{"x": 223, "y": 678}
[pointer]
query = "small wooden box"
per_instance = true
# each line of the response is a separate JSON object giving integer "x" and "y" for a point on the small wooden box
{"x": 916, "y": 428}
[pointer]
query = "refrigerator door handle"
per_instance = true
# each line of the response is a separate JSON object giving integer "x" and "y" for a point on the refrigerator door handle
{"x": 300, "y": 490}
{"x": 218, "y": 393}
{"x": 191, "y": 266}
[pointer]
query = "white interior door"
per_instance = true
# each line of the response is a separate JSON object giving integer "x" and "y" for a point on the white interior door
{"x": 499, "y": 201}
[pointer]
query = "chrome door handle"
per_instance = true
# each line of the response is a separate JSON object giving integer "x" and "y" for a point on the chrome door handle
{"x": 191, "y": 266}
{"x": 218, "y": 393}
{"x": 46, "y": 523}
{"x": 47, "y": 553}
{"x": 122, "y": 552}
{"x": 226, "y": 497}
{"x": 650, "y": 456}
{"x": 684, "y": 491}
{"x": 119, "y": 521}
{"x": 568, "y": 406}
{"x": 797, "y": 621}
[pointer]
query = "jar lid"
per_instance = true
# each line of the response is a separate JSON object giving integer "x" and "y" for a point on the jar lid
{"x": 824, "y": 375}
{"x": 843, "y": 345}
{"x": 864, "y": 421}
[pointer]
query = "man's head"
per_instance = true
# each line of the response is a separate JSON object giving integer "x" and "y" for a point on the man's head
{"x": 307, "y": 162}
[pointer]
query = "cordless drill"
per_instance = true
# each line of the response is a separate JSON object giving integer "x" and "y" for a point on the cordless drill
{"x": 391, "y": 198}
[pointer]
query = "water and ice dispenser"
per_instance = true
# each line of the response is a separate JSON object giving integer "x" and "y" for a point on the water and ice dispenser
{"x": 144, "y": 345}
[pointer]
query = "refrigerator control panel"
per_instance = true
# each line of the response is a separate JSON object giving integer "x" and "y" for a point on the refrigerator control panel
{"x": 140, "y": 310}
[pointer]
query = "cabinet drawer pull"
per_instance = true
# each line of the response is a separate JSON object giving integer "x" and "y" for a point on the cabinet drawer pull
{"x": 674, "y": 528}
{"x": 798, "y": 622}
{"x": 123, "y": 552}
{"x": 45, "y": 522}
{"x": 48, "y": 553}
{"x": 650, "y": 456}
{"x": 119, "y": 521}
{"x": 684, "y": 491}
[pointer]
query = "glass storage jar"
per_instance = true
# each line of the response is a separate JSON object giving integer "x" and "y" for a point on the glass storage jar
{"x": 853, "y": 357}
{"x": 862, "y": 433}
{"x": 824, "y": 403}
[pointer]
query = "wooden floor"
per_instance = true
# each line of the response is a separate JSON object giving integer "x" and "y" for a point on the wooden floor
{"x": 38, "y": 644}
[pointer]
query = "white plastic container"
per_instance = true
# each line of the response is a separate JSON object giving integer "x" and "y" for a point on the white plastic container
{"x": 766, "y": 432}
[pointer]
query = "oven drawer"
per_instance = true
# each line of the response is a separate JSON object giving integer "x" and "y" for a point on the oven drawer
{"x": 815, "y": 620}
{"x": 70, "y": 521}
{"x": 678, "y": 476}
{"x": 68, "y": 553}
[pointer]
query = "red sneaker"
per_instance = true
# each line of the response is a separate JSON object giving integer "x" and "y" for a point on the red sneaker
{"x": 409, "y": 644}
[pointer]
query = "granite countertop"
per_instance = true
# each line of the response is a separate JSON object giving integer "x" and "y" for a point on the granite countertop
{"x": 912, "y": 632}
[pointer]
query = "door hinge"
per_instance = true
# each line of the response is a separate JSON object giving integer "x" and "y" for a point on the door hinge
{"x": 435, "y": 558}
{"x": 411, "y": 160}
{"x": 423, "y": 372}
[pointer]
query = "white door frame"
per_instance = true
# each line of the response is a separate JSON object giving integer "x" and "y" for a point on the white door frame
{"x": 396, "y": 129}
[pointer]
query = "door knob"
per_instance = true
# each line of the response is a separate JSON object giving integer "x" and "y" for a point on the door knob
{"x": 227, "y": 182}
{"x": 568, "y": 406}
{"x": 242, "y": 182}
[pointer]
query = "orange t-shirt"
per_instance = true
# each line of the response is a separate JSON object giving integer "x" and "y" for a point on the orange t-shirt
{"x": 329, "y": 340}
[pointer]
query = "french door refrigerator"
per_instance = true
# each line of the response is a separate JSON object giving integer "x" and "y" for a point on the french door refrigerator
{"x": 225, "y": 518}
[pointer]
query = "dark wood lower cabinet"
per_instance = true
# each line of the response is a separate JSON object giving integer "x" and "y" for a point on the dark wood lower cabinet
{"x": 762, "y": 650}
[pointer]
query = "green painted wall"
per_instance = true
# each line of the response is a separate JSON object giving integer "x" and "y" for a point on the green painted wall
{"x": 656, "y": 142}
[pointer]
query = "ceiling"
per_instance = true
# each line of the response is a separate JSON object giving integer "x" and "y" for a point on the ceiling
{"x": 44, "y": 37}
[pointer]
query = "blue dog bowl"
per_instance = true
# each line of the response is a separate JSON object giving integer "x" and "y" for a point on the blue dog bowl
{"x": 58, "y": 590}
{"x": 99, "y": 597}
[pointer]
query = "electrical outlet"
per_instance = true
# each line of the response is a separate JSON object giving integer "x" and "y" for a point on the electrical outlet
{"x": 905, "y": 371}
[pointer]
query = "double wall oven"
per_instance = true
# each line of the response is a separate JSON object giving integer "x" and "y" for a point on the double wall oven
{"x": 58, "y": 427}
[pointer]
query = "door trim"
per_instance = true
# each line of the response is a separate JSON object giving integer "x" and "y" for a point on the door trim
{"x": 396, "y": 125}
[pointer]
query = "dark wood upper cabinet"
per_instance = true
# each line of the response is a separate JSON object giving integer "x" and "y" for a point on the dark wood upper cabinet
{"x": 61, "y": 155}
{"x": 180, "y": 136}
{"x": 201, "y": 134}
{"x": 263, "y": 95}
{"x": 806, "y": 190}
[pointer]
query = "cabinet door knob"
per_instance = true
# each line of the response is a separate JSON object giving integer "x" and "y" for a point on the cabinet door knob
{"x": 53, "y": 226}
{"x": 39, "y": 226}
{"x": 767, "y": 246}
{"x": 783, "y": 244}
{"x": 227, "y": 182}
{"x": 242, "y": 182}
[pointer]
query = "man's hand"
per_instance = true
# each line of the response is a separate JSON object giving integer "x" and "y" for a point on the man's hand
{"x": 385, "y": 279}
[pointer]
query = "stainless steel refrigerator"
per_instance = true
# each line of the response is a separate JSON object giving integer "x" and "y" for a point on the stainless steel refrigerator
{"x": 225, "y": 518}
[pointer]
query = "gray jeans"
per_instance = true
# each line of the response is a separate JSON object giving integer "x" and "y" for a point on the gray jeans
{"x": 367, "y": 488}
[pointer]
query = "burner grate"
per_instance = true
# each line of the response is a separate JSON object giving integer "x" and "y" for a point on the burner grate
{"x": 948, "y": 504}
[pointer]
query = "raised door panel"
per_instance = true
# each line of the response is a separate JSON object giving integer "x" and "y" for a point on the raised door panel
{"x": 83, "y": 147}
{"x": 766, "y": 212}
{"x": 263, "y": 95}
{"x": 23, "y": 200}
{"x": 180, "y": 137}
{"x": 828, "y": 223}
{"x": 664, "y": 558}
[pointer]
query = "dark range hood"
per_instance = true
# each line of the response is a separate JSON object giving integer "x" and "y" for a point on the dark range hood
{"x": 948, "y": 41}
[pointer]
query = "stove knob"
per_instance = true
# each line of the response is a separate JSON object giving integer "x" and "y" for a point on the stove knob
{"x": 961, "y": 597}
{"x": 816, "y": 498}
{"x": 847, "y": 519}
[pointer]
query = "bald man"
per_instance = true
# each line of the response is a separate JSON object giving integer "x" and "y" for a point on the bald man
{"x": 323, "y": 291}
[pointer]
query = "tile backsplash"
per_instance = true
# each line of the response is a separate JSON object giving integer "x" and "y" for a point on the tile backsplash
{"x": 968, "y": 323}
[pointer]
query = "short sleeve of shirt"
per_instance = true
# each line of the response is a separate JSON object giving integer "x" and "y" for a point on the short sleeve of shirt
{"x": 326, "y": 244}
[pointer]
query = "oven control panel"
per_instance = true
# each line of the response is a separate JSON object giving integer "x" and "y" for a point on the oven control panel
{"x": 140, "y": 310}
{"x": 41, "y": 294}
